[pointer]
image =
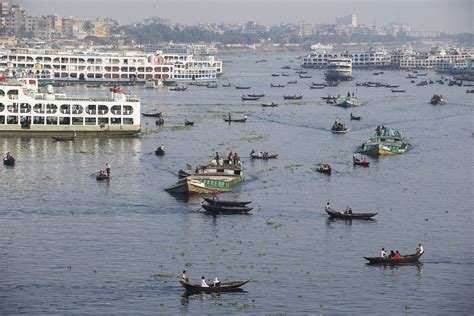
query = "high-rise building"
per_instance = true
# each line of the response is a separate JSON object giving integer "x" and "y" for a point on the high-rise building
{"x": 350, "y": 20}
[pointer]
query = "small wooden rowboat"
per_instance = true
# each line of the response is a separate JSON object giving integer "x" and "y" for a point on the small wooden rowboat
{"x": 344, "y": 215}
{"x": 183, "y": 174}
{"x": 226, "y": 203}
{"x": 404, "y": 259}
{"x": 158, "y": 114}
{"x": 102, "y": 176}
{"x": 223, "y": 287}
{"x": 220, "y": 209}
{"x": 243, "y": 120}
{"x": 263, "y": 157}
{"x": 10, "y": 161}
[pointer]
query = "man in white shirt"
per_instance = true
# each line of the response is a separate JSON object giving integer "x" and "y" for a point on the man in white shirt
{"x": 383, "y": 253}
{"x": 217, "y": 282}
{"x": 419, "y": 249}
{"x": 203, "y": 282}
{"x": 328, "y": 207}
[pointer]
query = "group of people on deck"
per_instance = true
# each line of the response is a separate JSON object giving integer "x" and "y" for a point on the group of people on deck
{"x": 396, "y": 254}
{"x": 380, "y": 130}
{"x": 232, "y": 159}
{"x": 328, "y": 208}
{"x": 106, "y": 171}
{"x": 185, "y": 279}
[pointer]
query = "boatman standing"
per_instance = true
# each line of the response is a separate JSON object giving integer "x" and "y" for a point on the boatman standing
{"x": 419, "y": 249}
{"x": 203, "y": 282}
{"x": 328, "y": 207}
{"x": 184, "y": 277}
{"x": 383, "y": 253}
{"x": 107, "y": 169}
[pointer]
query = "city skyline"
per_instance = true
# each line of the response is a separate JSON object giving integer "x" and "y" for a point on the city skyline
{"x": 445, "y": 16}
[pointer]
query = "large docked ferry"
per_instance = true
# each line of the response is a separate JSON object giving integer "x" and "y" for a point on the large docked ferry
{"x": 339, "y": 69}
{"x": 26, "y": 111}
{"x": 118, "y": 67}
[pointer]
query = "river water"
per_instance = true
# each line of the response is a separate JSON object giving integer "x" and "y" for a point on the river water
{"x": 69, "y": 244}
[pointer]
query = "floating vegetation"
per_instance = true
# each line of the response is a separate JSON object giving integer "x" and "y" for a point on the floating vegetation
{"x": 189, "y": 264}
{"x": 271, "y": 223}
{"x": 292, "y": 167}
{"x": 176, "y": 128}
{"x": 266, "y": 170}
{"x": 163, "y": 276}
{"x": 254, "y": 138}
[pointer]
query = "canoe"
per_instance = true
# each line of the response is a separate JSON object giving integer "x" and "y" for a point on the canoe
{"x": 398, "y": 90}
{"x": 152, "y": 114}
{"x": 404, "y": 259}
{"x": 355, "y": 118}
{"x": 159, "y": 152}
{"x": 336, "y": 214}
{"x": 218, "y": 209}
{"x": 269, "y": 104}
{"x": 256, "y": 156}
{"x": 101, "y": 177}
{"x": 249, "y": 98}
{"x": 277, "y": 85}
{"x": 242, "y": 87}
{"x": 256, "y": 95}
{"x": 293, "y": 97}
{"x": 9, "y": 161}
{"x": 223, "y": 287}
{"x": 235, "y": 120}
{"x": 227, "y": 203}
{"x": 339, "y": 131}
{"x": 188, "y": 123}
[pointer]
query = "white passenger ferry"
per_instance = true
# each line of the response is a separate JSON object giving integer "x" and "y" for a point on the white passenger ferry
{"x": 119, "y": 67}
{"x": 339, "y": 69}
{"x": 25, "y": 111}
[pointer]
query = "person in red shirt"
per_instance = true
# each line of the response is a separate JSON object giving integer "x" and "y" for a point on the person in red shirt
{"x": 397, "y": 255}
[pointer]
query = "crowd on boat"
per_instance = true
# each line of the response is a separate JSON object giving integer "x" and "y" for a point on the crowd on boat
{"x": 338, "y": 126}
{"x": 233, "y": 159}
{"x": 396, "y": 255}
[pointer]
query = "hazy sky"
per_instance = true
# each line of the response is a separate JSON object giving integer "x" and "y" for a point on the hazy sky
{"x": 426, "y": 15}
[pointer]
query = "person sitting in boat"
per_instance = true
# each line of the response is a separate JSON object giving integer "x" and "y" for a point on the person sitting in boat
{"x": 349, "y": 211}
{"x": 184, "y": 277}
{"x": 419, "y": 249}
{"x": 348, "y": 94}
{"x": 203, "y": 282}
{"x": 7, "y": 156}
{"x": 230, "y": 156}
{"x": 216, "y": 282}
{"x": 383, "y": 253}
{"x": 378, "y": 130}
{"x": 215, "y": 198}
{"x": 328, "y": 207}
{"x": 392, "y": 254}
{"x": 397, "y": 255}
{"x": 107, "y": 169}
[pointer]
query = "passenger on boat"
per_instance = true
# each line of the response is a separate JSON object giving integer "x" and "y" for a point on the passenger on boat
{"x": 328, "y": 207}
{"x": 348, "y": 94}
{"x": 216, "y": 282}
{"x": 184, "y": 277}
{"x": 383, "y": 253}
{"x": 217, "y": 158}
{"x": 392, "y": 254}
{"x": 203, "y": 282}
{"x": 378, "y": 130}
{"x": 419, "y": 249}
{"x": 230, "y": 157}
{"x": 215, "y": 198}
{"x": 107, "y": 169}
{"x": 397, "y": 255}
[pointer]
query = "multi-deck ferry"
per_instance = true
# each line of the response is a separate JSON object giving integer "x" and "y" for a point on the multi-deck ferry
{"x": 26, "y": 111}
{"x": 339, "y": 69}
{"x": 118, "y": 67}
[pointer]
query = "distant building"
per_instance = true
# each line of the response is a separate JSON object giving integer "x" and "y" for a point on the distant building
{"x": 157, "y": 20}
{"x": 5, "y": 8}
{"x": 252, "y": 27}
{"x": 8, "y": 41}
{"x": 305, "y": 29}
{"x": 347, "y": 20}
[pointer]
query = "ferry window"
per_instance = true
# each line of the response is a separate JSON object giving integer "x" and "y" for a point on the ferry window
{"x": 98, "y": 76}
{"x": 77, "y": 109}
{"x": 124, "y": 76}
{"x": 38, "y": 120}
{"x": 65, "y": 109}
{"x": 77, "y": 121}
{"x": 51, "y": 108}
{"x": 91, "y": 109}
{"x": 149, "y": 69}
{"x": 12, "y": 119}
{"x": 116, "y": 110}
{"x": 132, "y": 69}
{"x": 2, "y": 93}
{"x": 64, "y": 121}
{"x": 124, "y": 69}
{"x": 115, "y": 76}
{"x": 128, "y": 121}
{"x": 90, "y": 75}
{"x": 25, "y": 108}
{"x": 127, "y": 110}
{"x": 98, "y": 61}
{"x": 115, "y": 121}
{"x": 90, "y": 60}
{"x": 103, "y": 121}
{"x": 157, "y": 76}
{"x": 157, "y": 69}
{"x": 141, "y": 69}
{"x": 12, "y": 108}
{"x": 103, "y": 109}
{"x": 12, "y": 94}
{"x": 51, "y": 120}
{"x": 73, "y": 75}
{"x": 91, "y": 121}
{"x": 2, "y": 107}
{"x": 2, "y": 119}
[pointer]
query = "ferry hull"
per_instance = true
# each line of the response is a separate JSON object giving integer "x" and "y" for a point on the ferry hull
{"x": 69, "y": 131}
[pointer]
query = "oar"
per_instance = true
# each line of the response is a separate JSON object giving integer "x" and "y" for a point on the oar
{"x": 199, "y": 207}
